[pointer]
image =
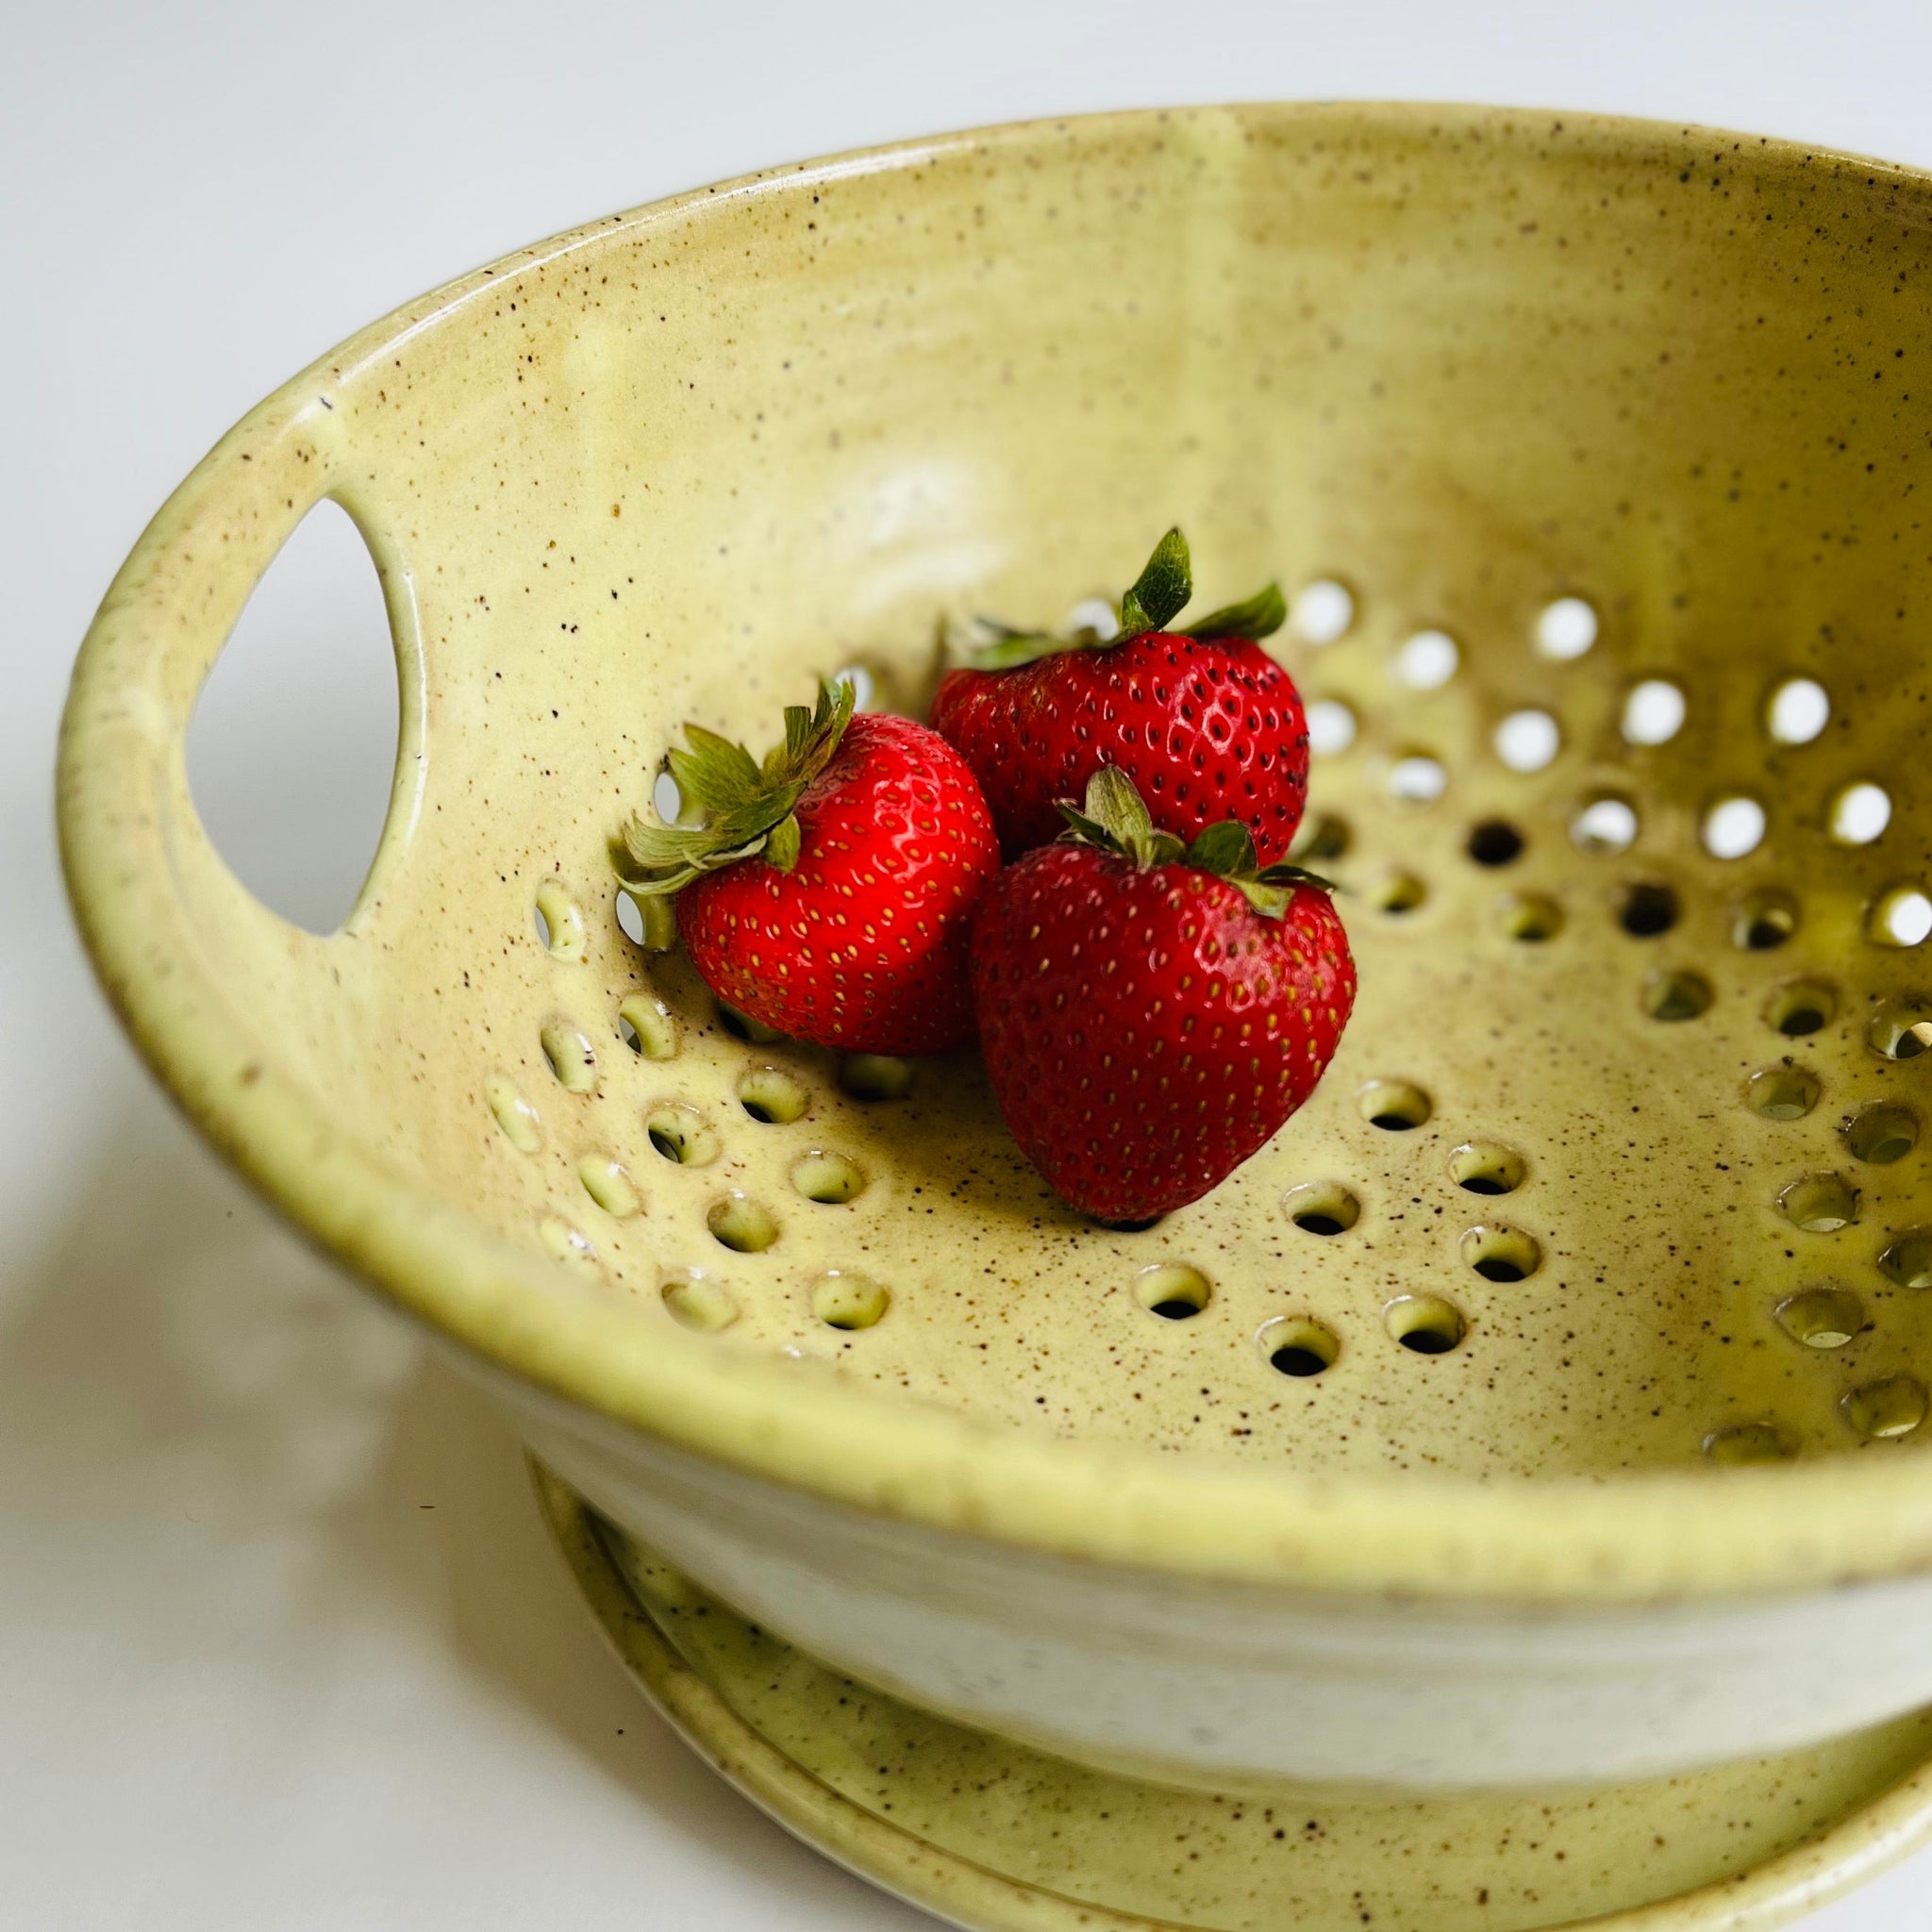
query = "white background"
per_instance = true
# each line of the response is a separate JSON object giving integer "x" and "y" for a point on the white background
{"x": 281, "y": 1644}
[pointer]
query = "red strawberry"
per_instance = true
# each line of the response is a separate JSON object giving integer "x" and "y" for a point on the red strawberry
{"x": 1150, "y": 1016}
{"x": 827, "y": 892}
{"x": 1207, "y": 725}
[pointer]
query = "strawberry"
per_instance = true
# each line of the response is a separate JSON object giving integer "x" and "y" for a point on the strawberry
{"x": 1151, "y": 1014}
{"x": 827, "y": 892}
{"x": 1207, "y": 725}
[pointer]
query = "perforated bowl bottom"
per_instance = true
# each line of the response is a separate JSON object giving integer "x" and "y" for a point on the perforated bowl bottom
{"x": 1618, "y": 1164}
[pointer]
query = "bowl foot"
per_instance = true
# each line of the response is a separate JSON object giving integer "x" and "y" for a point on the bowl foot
{"x": 999, "y": 1838}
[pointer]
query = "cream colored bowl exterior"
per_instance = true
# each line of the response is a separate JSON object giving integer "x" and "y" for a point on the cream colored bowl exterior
{"x": 1227, "y": 1685}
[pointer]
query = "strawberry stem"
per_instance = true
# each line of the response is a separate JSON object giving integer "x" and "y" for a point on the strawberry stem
{"x": 742, "y": 807}
{"x": 1151, "y": 603}
{"x": 1113, "y": 817}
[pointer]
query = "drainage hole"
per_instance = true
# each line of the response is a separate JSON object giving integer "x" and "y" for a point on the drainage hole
{"x": 1424, "y": 1324}
{"x": 1819, "y": 1203}
{"x": 1745, "y": 1443}
{"x": 1502, "y": 1254}
{"x": 874, "y": 1077}
{"x": 1882, "y": 1134}
{"x": 1784, "y": 1093}
{"x": 742, "y": 1027}
{"x": 1529, "y": 917}
{"x": 1394, "y": 1106}
{"x": 1482, "y": 1167}
{"x": 678, "y": 1134}
{"x": 772, "y": 1096}
{"x": 1494, "y": 842}
{"x": 1294, "y": 1345}
{"x": 699, "y": 1303}
{"x": 1674, "y": 996}
{"x": 1397, "y": 893}
{"x": 1805, "y": 1007}
{"x": 1647, "y": 910}
{"x": 1322, "y": 840}
{"x": 842, "y": 1298}
{"x": 740, "y": 1224}
{"x": 829, "y": 1179}
{"x": 1909, "y": 1259}
{"x": 1173, "y": 1291}
{"x": 1821, "y": 1318}
{"x": 1899, "y": 1035}
{"x": 1323, "y": 1208}
{"x": 1883, "y": 1411}
{"x": 1763, "y": 922}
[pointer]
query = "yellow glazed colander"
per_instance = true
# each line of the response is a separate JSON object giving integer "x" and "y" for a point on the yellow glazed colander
{"x": 1532, "y": 1432}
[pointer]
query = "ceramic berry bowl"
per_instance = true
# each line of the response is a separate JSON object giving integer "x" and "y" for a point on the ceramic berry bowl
{"x": 1501, "y": 1502}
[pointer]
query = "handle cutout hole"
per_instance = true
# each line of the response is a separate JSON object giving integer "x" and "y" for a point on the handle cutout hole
{"x": 293, "y": 745}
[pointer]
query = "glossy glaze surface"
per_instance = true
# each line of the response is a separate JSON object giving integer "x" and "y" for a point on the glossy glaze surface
{"x": 1001, "y": 1839}
{"x": 1460, "y": 367}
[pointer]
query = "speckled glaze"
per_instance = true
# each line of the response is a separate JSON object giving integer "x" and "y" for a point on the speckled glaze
{"x": 1049, "y": 1846}
{"x": 1462, "y": 363}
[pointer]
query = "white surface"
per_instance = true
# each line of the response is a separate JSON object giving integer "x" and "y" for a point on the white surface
{"x": 280, "y": 1645}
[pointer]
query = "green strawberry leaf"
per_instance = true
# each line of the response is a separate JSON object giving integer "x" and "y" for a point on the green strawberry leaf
{"x": 733, "y": 808}
{"x": 781, "y": 843}
{"x": 1011, "y": 648}
{"x": 1226, "y": 850}
{"x": 1161, "y": 591}
{"x": 1114, "y": 818}
{"x": 1157, "y": 597}
{"x": 1261, "y": 616}
{"x": 1286, "y": 874}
